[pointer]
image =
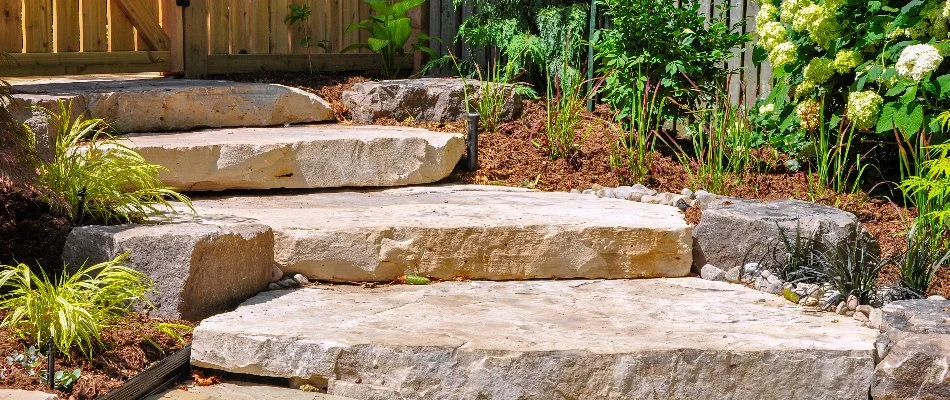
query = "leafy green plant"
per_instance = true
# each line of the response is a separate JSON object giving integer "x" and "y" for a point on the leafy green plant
{"x": 73, "y": 309}
{"x": 633, "y": 151}
{"x": 795, "y": 258}
{"x": 853, "y": 268}
{"x": 93, "y": 170}
{"x": 300, "y": 15}
{"x": 929, "y": 186}
{"x": 565, "y": 105}
{"x": 390, "y": 28}
{"x": 28, "y": 362}
{"x": 671, "y": 43}
{"x": 64, "y": 380}
{"x": 927, "y": 251}
{"x": 834, "y": 166}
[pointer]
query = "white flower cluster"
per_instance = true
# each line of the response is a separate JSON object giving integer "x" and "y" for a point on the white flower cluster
{"x": 863, "y": 109}
{"x": 918, "y": 60}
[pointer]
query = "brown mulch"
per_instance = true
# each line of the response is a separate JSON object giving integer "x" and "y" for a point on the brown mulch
{"x": 130, "y": 348}
{"x": 30, "y": 231}
{"x": 509, "y": 158}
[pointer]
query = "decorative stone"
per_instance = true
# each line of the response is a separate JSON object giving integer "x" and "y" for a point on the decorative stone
{"x": 737, "y": 230}
{"x": 301, "y": 279}
{"x": 301, "y": 157}
{"x": 852, "y": 303}
{"x": 733, "y": 275}
{"x": 712, "y": 273}
{"x": 449, "y": 231}
{"x": 917, "y": 353}
{"x": 864, "y": 309}
{"x": 198, "y": 270}
{"x": 876, "y": 318}
{"x": 860, "y": 317}
{"x": 936, "y": 298}
{"x": 427, "y": 99}
{"x": 543, "y": 340}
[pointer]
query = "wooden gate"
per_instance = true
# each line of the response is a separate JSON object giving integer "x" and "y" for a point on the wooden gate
{"x": 63, "y": 37}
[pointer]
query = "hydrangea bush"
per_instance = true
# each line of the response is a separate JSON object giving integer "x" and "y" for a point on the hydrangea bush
{"x": 877, "y": 64}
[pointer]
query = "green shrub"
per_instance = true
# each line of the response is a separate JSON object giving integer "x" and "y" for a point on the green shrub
{"x": 668, "y": 42}
{"x": 927, "y": 251}
{"x": 73, "y": 309}
{"x": 878, "y": 64}
{"x": 92, "y": 169}
{"x": 795, "y": 258}
{"x": 634, "y": 149}
{"x": 930, "y": 187}
{"x": 853, "y": 268}
{"x": 389, "y": 30}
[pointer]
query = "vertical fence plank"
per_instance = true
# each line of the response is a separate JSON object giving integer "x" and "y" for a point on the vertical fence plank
{"x": 279, "y": 34}
{"x": 11, "y": 29}
{"x": 153, "y": 7}
{"x": 195, "y": 20}
{"x": 448, "y": 27}
{"x": 303, "y": 29}
{"x": 173, "y": 25}
{"x": 435, "y": 27}
{"x": 736, "y": 92}
{"x": 66, "y": 25}
{"x": 258, "y": 15}
{"x": 364, "y": 12}
{"x": 38, "y": 26}
{"x": 750, "y": 74}
{"x": 121, "y": 31}
{"x": 335, "y": 26}
{"x": 320, "y": 28}
{"x": 94, "y": 24}
{"x": 350, "y": 12}
{"x": 220, "y": 33}
{"x": 240, "y": 39}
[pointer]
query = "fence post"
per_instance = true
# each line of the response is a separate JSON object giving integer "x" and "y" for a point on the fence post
{"x": 195, "y": 43}
{"x": 172, "y": 25}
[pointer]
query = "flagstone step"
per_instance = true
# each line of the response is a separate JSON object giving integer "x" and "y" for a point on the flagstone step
{"x": 153, "y": 105}
{"x": 681, "y": 338}
{"x": 449, "y": 231}
{"x": 300, "y": 156}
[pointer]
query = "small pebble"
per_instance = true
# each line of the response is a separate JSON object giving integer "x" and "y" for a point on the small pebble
{"x": 841, "y": 308}
{"x": 936, "y": 298}
{"x": 688, "y": 193}
{"x": 809, "y": 302}
{"x": 711, "y": 272}
{"x": 273, "y": 286}
{"x": 864, "y": 309}
{"x": 876, "y": 318}
{"x": 301, "y": 279}
{"x": 852, "y": 302}
{"x": 732, "y": 275}
{"x": 860, "y": 317}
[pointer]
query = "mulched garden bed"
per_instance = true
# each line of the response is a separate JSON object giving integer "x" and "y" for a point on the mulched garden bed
{"x": 509, "y": 158}
{"x": 130, "y": 348}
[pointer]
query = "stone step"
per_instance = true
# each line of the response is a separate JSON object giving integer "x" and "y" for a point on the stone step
{"x": 157, "y": 105}
{"x": 241, "y": 391}
{"x": 301, "y": 156}
{"x": 679, "y": 338}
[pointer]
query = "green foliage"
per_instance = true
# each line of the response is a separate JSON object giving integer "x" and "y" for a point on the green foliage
{"x": 634, "y": 150}
{"x": 300, "y": 15}
{"x": 119, "y": 185}
{"x": 64, "y": 380}
{"x": 670, "y": 43}
{"x": 834, "y": 166}
{"x": 927, "y": 251}
{"x": 795, "y": 258}
{"x": 930, "y": 186}
{"x": 389, "y": 28}
{"x": 876, "y": 63}
{"x": 73, "y": 309}
{"x": 854, "y": 268}
{"x": 530, "y": 34}
{"x": 28, "y": 362}
{"x": 565, "y": 104}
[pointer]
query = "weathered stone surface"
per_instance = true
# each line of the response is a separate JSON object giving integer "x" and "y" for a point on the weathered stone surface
{"x": 151, "y": 105}
{"x": 480, "y": 232}
{"x": 428, "y": 99}
{"x": 733, "y": 231}
{"x": 623, "y": 339}
{"x": 310, "y": 156}
{"x": 199, "y": 270}
{"x": 916, "y": 343}
{"x": 241, "y": 391}
{"x": 16, "y": 394}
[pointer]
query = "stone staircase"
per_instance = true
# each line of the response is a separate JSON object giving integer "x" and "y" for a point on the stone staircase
{"x": 552, "y": 310}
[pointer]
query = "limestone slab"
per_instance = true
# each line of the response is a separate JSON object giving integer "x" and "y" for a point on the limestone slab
{"x": 16, "y": 394}
{"x": 478, "y": 232}
{"x": 679, "y": 338}
{"x": 425, "y": 99}
{"x": 198, "y": 270}
{"x": 241, "y": 391}
{"x": 302, "y": 156}
{"x": 150, "y": 105}
{"x": 915, "y": 362}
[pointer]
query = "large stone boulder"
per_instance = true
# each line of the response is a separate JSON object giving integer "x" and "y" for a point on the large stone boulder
{"x": 427, "y": 99}
{"x": 916, "y": 351}
{"x": 733, "y": 231}
{"x": 198, "y": 270}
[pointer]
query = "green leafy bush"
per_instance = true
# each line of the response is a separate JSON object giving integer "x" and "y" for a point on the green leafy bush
{"x": 795, "y": 257}
{"x": 73, "y": 309}
{"x": 930, "y": 187}
{"x": 669, "y": 42}
{"x": 634, "y": 149}
{"x": 878, "y": 64}
{"x": 927, "y": 251}
{"x": 92, "y": 169}
{"x": 853, "y": 268}
{"x": 530, "y": 34}
{"x": 389, "y": 28}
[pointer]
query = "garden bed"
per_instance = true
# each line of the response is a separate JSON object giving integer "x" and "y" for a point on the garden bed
{"x": 130, "y": 346}
{"x": 509, "y": 158}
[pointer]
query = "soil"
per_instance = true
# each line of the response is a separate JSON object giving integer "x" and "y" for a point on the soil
{"x": 30, "y": 231}
{"x": 130, "y": 346}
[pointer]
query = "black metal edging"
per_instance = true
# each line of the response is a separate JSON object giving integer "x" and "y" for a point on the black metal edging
{"x": 156, "y": 378}
{"x": 472, "y": 139}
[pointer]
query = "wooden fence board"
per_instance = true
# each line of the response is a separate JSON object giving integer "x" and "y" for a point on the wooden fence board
{"x": 11, "y": 27}
{"x": 335, "y": 26}
{"x": 240, "y": 36}
{"x": 152, "y": 10}
{"x": 220, "y": 26}
{"x": 349, "y": 12}
{"x": 258, "y": 15}
{"x": 66, "y": 26}
{"x": 279, "y": 32}
{"x": 122, "y": 33}
{"x": 95, "y": 36}
{"x": 38, "y": 26}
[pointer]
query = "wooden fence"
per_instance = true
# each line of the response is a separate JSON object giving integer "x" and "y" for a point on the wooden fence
{"x": 748, "y": 83}
{"x": 60, "y": 37}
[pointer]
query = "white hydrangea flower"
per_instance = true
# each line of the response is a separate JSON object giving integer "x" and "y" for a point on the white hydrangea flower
{"x": 767, "y": 109}
{"x": 767, "y": 13}
{"x": 863, "y": 109}
{"x": 918, "y": 60}
{"x": 784, "y": 53}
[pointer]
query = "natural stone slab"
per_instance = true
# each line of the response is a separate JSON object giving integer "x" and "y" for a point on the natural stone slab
{"x": 916, "y": 354}
{"x": 427, "y": 99}
{"x": 198, "y": 270}
{"x": 623, "y": 339}
{"x": 312, "y": 156}
{"x": 479, "y": 232}
{"x": 16, "y": 394}
{"x": 241, "y": 391}
{"x": 152, "y": 105}
{"x": 733, "y": 231}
